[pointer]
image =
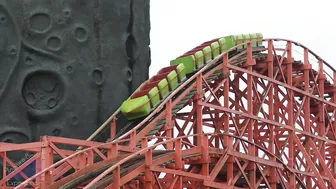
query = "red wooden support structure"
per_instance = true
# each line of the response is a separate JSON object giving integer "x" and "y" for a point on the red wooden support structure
{"x": 260, "y": 118}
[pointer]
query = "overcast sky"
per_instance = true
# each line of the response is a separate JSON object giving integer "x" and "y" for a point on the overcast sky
{"x": 179, "y": 25}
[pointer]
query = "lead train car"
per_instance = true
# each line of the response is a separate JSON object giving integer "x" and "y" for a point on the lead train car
{"x": 153, "y": 91}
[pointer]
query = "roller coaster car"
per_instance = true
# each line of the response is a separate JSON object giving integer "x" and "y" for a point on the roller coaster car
{"x": 158, "y": 87}
{"x": 153, "y": 91}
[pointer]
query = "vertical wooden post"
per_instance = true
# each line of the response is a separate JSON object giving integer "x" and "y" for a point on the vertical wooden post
{"x": 46, "y": 161}
{"x": 169, "y": 124}
{"x": 321, "y": 122}
{"x": 199, "y": 114}
{"x": 113, "y": 128}
{"x": 226, "y": 139}
{"x": 306, "y": 107}
{"x": 148, "y": 163}
{"x": 290, "y": 111}
{"x": 251, "y": 148}
{"x": 270, "y": 65}
{"x": 205, "y": 157}
{"x": 116, "y": 178}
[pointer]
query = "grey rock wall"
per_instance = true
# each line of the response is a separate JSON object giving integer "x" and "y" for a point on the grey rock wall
{"x": 66, "y": 65}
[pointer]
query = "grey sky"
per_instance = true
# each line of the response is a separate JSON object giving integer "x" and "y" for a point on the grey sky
{"x": 179, "y": 25}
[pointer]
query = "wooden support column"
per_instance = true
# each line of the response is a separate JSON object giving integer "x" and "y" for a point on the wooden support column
{"x": 250, "y": 127}
{"x": 46, "y": 161}
{"x": 199, "y": 114}
{"x": 169, "y": 124}
{"x": 113, "y": 128}
{"x": 148, "y": 162}
{"x": 205, "y": 157}
{"x": 290, "y": 112}
{"x": 226, "y": 139}
{"x": 270, "y": 62}
{"x": 321, "y": 121}
{"x": 306, "y": 107}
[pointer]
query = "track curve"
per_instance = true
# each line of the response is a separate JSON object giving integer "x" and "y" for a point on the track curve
{"x": 269, "y": 119}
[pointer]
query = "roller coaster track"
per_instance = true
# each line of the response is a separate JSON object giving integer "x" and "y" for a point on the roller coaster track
{"x": 255, "y": 118}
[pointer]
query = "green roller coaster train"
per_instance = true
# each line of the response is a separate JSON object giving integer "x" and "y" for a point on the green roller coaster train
{"x": 155, "y": 89}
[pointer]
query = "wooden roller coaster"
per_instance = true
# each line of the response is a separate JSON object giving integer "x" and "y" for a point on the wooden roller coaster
{"x": 255, "y": 118}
